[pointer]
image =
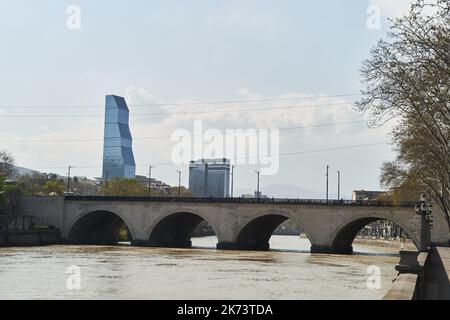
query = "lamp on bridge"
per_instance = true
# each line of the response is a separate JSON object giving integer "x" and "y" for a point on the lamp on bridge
{"x": 424, "y": 210}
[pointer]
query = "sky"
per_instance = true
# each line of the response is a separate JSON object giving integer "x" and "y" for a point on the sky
{"x": 193, "y": 54}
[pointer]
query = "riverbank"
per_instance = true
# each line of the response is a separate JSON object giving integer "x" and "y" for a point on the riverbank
{"x": 423, "y": 276}
{"x": 394, "y": 244}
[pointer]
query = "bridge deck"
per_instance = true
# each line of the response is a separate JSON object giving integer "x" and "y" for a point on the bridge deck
{"x": 374, "y": 203}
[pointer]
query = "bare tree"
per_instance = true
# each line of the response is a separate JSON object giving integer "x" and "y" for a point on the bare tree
{"x": 407, "y": 78}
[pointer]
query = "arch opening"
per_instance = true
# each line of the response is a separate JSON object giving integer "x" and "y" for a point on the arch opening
{"x": 99, "y": 228}
{"x": 183, "y": 230}
{"x": 370, "y": 232}
{"x": 259, "y": 234}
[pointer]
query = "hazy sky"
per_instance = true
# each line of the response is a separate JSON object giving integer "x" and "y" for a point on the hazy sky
{"x": 191, "y": 51}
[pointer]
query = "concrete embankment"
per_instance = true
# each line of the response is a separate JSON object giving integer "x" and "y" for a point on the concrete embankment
{"x": 29, "y": 237}
{"x": 433, "y": 282}
{"x": 423, "y": 276}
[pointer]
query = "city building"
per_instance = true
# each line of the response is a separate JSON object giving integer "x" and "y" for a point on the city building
{"x": 367, "y": 195}
{"x": 155, "y": 185}
{"x": 259, "y": 195}
{"x": 255, "y": 195}
{"x": 118, "y": 159}
{"x": 210, "y": 178}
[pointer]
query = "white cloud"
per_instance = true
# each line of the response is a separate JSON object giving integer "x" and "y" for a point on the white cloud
{"x": 281, "y": 114}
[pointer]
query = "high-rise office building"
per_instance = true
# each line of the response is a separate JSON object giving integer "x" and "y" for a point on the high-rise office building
{"x": 118, "y": 159}
{"x": 210, "y": 178}
{"x": 197, "y": 178}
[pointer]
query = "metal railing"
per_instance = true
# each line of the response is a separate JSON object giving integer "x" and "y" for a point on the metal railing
{"x": 374, "y": 203}
{"x": 11, "y": 222}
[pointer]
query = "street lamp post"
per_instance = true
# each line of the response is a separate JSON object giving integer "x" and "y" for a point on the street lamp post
{"x": 179, "y": 183}
{"x": 424, "y": 210}
{"x": 232, "y": 180}
{"x": 339, "y": 185}
{"x": 68, "y": 179}
{"x": 328, "y": 168}
{"x": 257, "y": 186}
{"x": 150, "y": 180}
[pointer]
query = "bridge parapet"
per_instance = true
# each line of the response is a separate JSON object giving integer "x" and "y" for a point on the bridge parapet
{"x": 370, "y": 203}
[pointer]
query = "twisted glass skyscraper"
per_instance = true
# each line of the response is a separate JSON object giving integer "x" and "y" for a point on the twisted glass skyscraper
{"x": 118, "y": 159}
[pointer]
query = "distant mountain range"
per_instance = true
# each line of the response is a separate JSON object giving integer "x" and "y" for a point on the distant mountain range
{"x": 289, "y": 191}
{"x": 23, "y": 171}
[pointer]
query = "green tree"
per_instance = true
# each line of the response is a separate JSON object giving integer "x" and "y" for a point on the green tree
{"x": 6, "y": 164}
{"x": 6, "y": 170}
{"x": 54, "y": 187}
{"x": 407, "y": 78}
{"x": 2, "y": 195}
{"x": 405, "y": 189}
{"x": 184, "y": 192}
{"x": 12, "y": 194}
{"x": 123, "y": 187}
{"x": 33, "y": 184}
{"x": 82, "y": 186}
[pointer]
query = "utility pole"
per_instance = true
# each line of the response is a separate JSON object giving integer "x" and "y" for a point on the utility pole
{"x": 339, "y": 185}
{"x": 257, "y": 187}
{"x": 179, "y": 183}
{"x": 150, "y": 179}
{"x": 68, "y": 180}
{"x": 219, "y": 194}
{"x": 328, "y": 168}
{"x": 232, "y": 179}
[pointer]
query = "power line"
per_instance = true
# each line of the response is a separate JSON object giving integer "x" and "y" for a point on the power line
{"x": 169, "y": 137}
{"x": 176, "y": 113}
{"x": 184, "y": 103}
{"x": 244, "y": 158}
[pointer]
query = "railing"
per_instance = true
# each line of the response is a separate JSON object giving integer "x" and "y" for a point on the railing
{"x": 375, "y": 203}
{"x": 10, "y": 222}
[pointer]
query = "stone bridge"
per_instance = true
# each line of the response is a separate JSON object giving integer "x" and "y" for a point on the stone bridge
{"x": 242, "y": 224}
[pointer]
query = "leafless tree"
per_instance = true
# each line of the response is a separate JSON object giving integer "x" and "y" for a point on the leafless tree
{"x": 407, "y": 80}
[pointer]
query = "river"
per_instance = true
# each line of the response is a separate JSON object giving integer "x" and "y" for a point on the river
{"x": 122, "y": 272}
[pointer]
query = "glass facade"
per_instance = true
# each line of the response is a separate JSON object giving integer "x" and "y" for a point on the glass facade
{"x": 210, "y": 178}
{"x": 118, "y": 159}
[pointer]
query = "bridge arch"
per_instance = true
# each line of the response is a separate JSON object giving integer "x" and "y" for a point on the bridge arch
{"x": 256, "y": 232}
{"x": 98, "y": 227}
{"x": 175, "y": 229}
{"x": 342, "y": 240}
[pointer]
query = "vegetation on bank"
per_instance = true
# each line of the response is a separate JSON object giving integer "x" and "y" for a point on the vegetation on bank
{"x": 8, "y": 193}
{"x": 132, "y": 187}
